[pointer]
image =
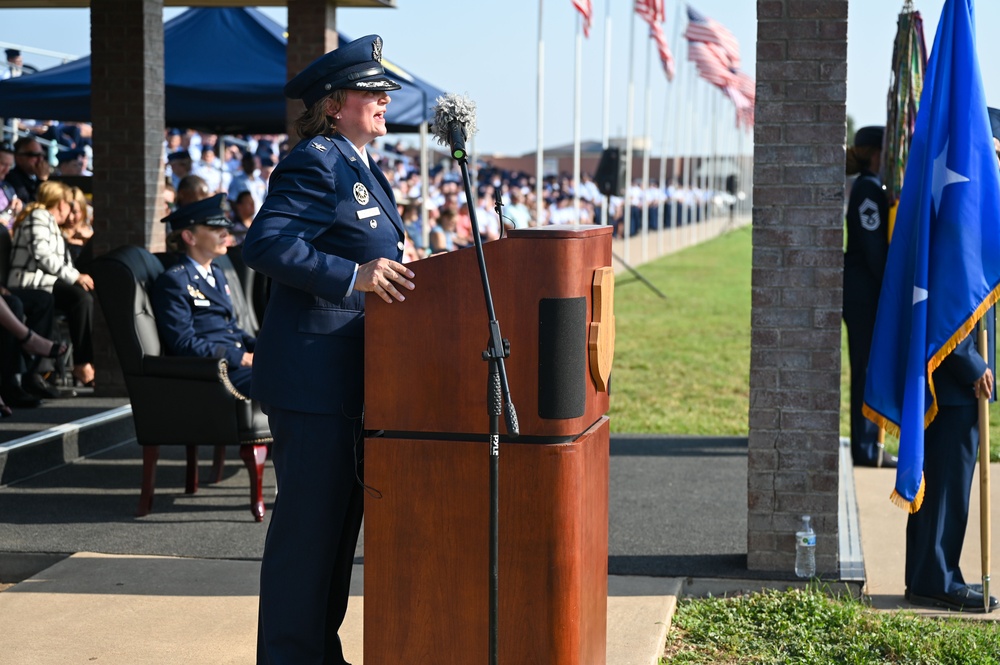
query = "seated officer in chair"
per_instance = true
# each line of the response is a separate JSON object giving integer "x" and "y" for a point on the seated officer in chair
{"x": 191, "y": 300}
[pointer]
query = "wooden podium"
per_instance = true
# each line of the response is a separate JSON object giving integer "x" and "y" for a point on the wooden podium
{"x": 426, "y": 517}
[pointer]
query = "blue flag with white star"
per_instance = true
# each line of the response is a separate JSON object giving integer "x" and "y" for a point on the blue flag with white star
{"x": 943, "y": 268}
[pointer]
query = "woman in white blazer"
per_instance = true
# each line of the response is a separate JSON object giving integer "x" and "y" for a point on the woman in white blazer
{"x": 41, "y": 260}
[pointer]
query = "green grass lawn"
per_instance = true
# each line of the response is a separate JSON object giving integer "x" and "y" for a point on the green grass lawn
{"x": 808, "y": 626}
{"x": 682, "y": 365}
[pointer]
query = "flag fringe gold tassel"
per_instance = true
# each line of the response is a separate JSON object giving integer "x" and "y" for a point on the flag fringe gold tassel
{"x": 910, "y": 506}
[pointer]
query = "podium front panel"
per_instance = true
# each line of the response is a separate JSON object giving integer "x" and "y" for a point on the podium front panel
{"x": 424, "y": 371}
{"x": 427, "y": 551}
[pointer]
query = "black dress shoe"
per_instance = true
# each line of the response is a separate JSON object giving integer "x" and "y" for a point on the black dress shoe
{"x": 36, "y": 385}
{"x": 963, "y": 600}
{"x": 17, "y": 397}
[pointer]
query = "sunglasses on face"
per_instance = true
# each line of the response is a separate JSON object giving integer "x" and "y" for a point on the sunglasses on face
{"x": 33, "y": 155}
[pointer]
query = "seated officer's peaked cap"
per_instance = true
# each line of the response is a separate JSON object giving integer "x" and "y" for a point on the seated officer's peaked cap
{"x": 354, "y": 66}
{"x": 207, "y": 212}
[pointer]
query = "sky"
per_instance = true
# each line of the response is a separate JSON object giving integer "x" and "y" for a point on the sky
{"x": 488, "y": 50}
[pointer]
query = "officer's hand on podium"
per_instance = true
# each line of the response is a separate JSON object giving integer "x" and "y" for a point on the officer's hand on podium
{"x": 382, "y": 277}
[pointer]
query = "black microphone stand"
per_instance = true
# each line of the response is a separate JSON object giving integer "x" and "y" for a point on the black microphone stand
{"x": 497, "y": 400}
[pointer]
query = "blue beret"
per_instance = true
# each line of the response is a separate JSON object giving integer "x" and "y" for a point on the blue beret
{"x": 354, "y": 66}
{"x": 208, "y": 212}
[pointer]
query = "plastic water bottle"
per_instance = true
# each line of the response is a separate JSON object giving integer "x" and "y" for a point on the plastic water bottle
{"x": 805, "y": 550}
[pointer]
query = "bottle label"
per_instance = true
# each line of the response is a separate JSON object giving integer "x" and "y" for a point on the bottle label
{"x": 809, "y": 540}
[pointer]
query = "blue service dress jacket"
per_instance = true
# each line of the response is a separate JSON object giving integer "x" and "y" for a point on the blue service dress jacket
{"x": 326, "y": 213}
{"x": 195, "y": 319}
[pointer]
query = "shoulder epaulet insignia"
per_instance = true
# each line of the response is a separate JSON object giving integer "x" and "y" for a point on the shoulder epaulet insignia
{"x": 318, "y": 146}
{"x": 177, "y": 268}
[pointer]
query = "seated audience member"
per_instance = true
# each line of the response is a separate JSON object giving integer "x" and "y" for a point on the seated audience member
{"x": 191, "y": 300}
{"x": 243, "y": 214}
{"x": 70, "y": 162}
{"x": 442, "y": 238}
{"x": 180, "y": 166}
{"x": 191, "y": 188}
{"x": 414, "y": 227}
{"x": 30, "y": 168}
{"x": 77, "y": 229}
{"x": 41, "y": 260}
{"x": 10, "y": 204}
{"x": 16, "y": 339}
{"x": 249, "y": 179}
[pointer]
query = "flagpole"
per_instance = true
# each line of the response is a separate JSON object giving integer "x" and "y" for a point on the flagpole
{"x": 576, "y": 117}
{"x": 689, "y": 204}
{"x": 540, "y": 115}
{"x": 627, "y": 214}
{"x": 606, "y": 129}
{"x": 677, "y": 207}
{"x": 647, "y": 140}
{"x": 985, "y": 536}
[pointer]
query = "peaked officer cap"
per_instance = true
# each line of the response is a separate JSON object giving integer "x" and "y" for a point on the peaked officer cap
{"x": 354, "y": 66}
{"x": 870, "y": 136}
{"x": 207, "y": 212}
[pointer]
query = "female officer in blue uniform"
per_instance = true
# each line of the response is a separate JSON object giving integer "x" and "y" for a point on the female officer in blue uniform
{"x": 864, "y": 264}
{"x": 327, "y": 234}
{"x": 191, "y": 300}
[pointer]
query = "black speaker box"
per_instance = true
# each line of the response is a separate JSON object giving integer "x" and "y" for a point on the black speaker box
{"x": 610, "y": 176}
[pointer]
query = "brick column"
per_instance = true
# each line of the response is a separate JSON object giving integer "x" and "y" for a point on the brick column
{"x": 127, "y": 103}
{"x": 797, "y": 280}
{"x": 312, "y": 31}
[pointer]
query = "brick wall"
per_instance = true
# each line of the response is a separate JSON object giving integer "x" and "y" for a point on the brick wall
{"x": 797, "y": 279}
{"x": 127, "y": 108}
{"x": 312, "y": 31}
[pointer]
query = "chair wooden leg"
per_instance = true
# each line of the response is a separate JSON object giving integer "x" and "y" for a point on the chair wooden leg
{"x": 218, "y": 464}
{"x": 254, "y": 457}
{"x": 150, "y": 454}
{"x": 191, "y": 480}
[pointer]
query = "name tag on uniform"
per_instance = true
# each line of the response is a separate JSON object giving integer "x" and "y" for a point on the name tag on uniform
{"x": 201, "y": 303}
{"x": 368, "y": 212}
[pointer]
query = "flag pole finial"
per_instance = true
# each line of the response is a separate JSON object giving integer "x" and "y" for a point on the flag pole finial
{"x": 907, "y": 7}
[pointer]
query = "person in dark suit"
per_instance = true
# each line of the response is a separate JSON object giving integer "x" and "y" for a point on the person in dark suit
{"x": 191, "y": 300}
{"x": 864, "y": 265}
{"x": 936, "y": 532}
{"x": 327, "y": 235}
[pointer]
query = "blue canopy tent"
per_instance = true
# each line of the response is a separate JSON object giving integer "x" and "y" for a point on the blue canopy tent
{"x": 225, "y": 70}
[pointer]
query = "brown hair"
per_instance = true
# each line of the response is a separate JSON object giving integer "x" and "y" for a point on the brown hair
{"x": 175, "y": 243}
{"x": 315, "y": 120}
{"x": 859, "y": 157}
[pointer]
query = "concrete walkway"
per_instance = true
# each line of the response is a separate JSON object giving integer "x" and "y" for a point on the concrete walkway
{"x": 139, "y": 610}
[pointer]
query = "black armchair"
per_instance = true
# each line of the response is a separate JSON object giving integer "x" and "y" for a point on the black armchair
{"x": 175, "y": 400}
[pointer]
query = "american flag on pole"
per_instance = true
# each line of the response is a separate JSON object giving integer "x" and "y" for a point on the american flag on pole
{"x": 703, "y": 29}
{"x": 586, "y": 10}
{"x": 716, "y": 55}
{"x": 651, "y": 11}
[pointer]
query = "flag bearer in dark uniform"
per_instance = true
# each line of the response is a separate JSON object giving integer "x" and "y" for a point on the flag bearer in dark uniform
{"x": 327, "y": 234}
{"x": 191, "y": 300}
{"x": 864, "y": 264}
{"x": 936, "y": 532}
